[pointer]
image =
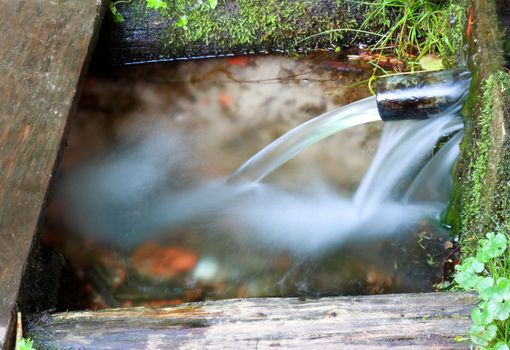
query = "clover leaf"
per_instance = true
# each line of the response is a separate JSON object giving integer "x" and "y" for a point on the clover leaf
{"x": 498, "y": 310}
{"x": 486, "y": 288}
{"x": 467, "y": 273}
{"x": 499, "y": 291}
{"x": 480, "y": 315}
{"x": 492, "y": 247}
{"x": 25, "y": 344}
{"x": 483, "y": 335}
{"x": 488, "y": 273}
{"x": 499, "y": 346}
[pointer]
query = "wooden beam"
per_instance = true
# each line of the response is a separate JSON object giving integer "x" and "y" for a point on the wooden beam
{"x": 399, "y": 321}
{"x": 45, "y": 46}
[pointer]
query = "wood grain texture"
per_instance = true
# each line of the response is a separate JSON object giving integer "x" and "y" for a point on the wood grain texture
{"x": 44, "y": 49}
{"x": 397, "y": 321}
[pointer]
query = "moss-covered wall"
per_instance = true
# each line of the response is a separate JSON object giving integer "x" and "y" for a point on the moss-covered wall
{"x": 258, "y": 23}
{"x": 250, "y": 26}
{"x": 233, "y": 27}
{"x": 482, "y": 199}
{"x": 455, "y": 34}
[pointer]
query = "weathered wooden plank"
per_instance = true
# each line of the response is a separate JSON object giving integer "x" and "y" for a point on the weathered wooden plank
{"x": 44, "y": 49}
{"x": 400, "y": 321}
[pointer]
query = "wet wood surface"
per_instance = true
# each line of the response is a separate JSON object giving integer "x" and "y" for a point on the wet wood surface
{"x": 44, "y": 49}
{"x": 396, "y": 321}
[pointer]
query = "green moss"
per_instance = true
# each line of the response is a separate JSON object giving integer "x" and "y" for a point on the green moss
{"x": 473, "y": 209}
{"x": 485, "y": 191}
{"x": 454, "y": 39}
{"x": 184, "y": 28}
{"x": 237, "y": 25}
{"x": 500, "y": 159}
{"x": 480, "y": 202}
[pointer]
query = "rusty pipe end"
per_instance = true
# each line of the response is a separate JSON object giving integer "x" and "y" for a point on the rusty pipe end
{"x": 422, "y": 95}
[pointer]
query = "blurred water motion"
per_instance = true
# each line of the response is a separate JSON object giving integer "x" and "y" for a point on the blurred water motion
{"x": 149, "y": 219}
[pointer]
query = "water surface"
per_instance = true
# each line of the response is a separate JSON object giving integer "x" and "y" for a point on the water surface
{"x": 145, "y": 216}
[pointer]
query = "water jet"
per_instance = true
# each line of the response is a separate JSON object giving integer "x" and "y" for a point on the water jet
{"x": 416, "y": 96}
{"x": 154, "y": 195}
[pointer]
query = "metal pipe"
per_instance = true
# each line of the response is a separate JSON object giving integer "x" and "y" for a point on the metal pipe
{"x": 422, "y": 95}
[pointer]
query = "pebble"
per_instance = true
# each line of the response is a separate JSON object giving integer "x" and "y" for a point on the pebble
{"x": 206, "y": 269}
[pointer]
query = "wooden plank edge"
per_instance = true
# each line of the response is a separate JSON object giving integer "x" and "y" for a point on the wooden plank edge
{"x": 7, "y": 329}
{"x": 407, "y": 321}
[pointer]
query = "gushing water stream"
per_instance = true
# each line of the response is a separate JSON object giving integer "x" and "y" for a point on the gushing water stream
{"x": 136, "y": 193}
{"x": 404, "y": 148}
{"x": 284, "y": 148}
{"x": 403, "y": 185}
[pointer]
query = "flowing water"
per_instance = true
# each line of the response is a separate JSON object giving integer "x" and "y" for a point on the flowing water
{"x": 305, "y": 135}
{"x": 387, "y": 201}
{"x": 256, "y": 236}
{"x": 138, "y": 192}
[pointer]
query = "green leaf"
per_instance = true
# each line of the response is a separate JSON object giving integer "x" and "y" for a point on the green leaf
{"x": 25, "y": 344}
{"x": 213, "y": 3}
{"x": 431, "y": 62}
{"x": 485, "y": 287}
{"x": 481, "y": 335}
{"x": 465, "y": 280}
{"x": 498, "y": 292}
{"x": 460, "y": 338}
{"x": 500, "y": 346}
{"x": 492, "y": 247}
{"x": 498, "y": 310}
{"x": 117, "y": 17}
{"x": 156, "y": 4}
{"x": 480, "y": 315}
{"x": 182, "y": 22}
{"x": 470, "y": 265}
{"x": 466, "y": 275}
